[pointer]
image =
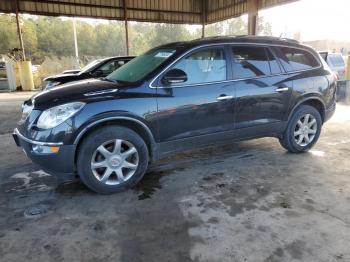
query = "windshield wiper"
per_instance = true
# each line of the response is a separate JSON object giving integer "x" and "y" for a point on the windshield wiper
{"x": 123, "y": 82}
{"x": 115, "y": 81}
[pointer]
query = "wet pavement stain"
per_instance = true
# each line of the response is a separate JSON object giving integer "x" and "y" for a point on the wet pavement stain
{"x": 72, "y": 187}
{"x": 213, "y": 176}
{"x": 149, "y": 184}
{"x": 35, "y": 181}
{"x": 285, "y": 204}
{"x": 36, "y": 211}
{"x": 246, "y": 156}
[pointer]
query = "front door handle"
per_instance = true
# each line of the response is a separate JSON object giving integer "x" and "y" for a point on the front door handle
{"x": 282, "y": 89}
{"x": 224, "y": 97}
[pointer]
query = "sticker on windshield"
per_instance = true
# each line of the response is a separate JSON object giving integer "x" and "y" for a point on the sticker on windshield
{"x": 164, "y": 54}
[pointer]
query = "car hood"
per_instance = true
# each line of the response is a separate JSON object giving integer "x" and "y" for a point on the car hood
{"x": 84, "y": 90}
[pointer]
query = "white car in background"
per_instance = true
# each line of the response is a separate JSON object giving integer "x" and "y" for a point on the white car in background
{"x": 335, "y": 62}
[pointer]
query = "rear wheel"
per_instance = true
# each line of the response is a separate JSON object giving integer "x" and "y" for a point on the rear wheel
{"x": 112, "y": 159}
{"x": 303, "y": 130}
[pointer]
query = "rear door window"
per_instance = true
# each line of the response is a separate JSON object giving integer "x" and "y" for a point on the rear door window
{"x": 252, "y": 61}
{"x": 299, "y": 59}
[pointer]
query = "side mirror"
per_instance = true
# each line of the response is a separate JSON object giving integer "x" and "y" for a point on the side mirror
{"x": 174, "y": 76}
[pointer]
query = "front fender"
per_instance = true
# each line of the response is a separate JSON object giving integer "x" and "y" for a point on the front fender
{"x": 111, "y": 116}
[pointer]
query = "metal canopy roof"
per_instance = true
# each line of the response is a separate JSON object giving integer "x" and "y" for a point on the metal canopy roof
{"x": 161, "y": 11}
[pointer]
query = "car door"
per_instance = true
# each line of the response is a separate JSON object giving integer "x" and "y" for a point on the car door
{"x": 203, "y": 104}
{"x": 262, "y": 90}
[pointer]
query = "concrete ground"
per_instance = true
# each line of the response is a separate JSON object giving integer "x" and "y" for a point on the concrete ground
{"x": 250, "y": 201}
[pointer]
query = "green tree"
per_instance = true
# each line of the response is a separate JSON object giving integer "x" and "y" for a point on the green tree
{"x": 167, "y": 33}
{"x": 109, "y": 39}
{"x": 8, "y": 33}
{"x": 215, "y": 29}
{"x": 30, "y": 40}
{"x": 237, "y": 26}
{"x": 264, "y": 27}
{"x": 55, "y": 36}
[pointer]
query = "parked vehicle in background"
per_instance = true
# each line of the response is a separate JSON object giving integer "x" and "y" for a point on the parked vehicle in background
{"x": 74, "y": 71}
{"x": 97, "y": 68}
{"x": 336, "y": 63}
{"x": 2, "y": 69}
{"x": 176, "y": 97}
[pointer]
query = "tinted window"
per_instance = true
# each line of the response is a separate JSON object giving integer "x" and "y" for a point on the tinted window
{"x": 250, "y": 62}
{"x": 299, "y": 59}
{"x": 204, "y": 66}
{"x": 110, "y": 66}
{"x": 274, "y": 66}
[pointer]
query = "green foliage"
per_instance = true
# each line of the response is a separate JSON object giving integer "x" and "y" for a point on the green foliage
{"x": 53, "y": 36}
{"x": 264, "y": 27}
{"x": 233, "y": 27}
{"x": 8, "y": 33}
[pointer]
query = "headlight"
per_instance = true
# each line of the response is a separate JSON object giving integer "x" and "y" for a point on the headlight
{"x": 56, "y": 115}
{"x": 51, "y": 84}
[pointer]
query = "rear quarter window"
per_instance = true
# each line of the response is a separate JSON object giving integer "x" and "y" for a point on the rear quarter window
{"x": 299, "y": 59}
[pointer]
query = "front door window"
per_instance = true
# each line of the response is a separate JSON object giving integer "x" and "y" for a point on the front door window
{"x": 204, "y": 66}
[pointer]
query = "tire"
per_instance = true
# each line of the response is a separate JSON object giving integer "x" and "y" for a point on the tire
{"x": 291, "y": 140}
{"x": 94, "y": 164}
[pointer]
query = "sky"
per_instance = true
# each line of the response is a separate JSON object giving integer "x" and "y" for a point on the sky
{"x": 315, "y": 19}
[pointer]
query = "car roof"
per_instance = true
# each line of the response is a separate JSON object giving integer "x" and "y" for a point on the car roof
{"x": 237, "y": 39}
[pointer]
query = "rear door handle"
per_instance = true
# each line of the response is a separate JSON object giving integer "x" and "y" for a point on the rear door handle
{"x": 282, "y": 89}
{"x": 224, "y": 97}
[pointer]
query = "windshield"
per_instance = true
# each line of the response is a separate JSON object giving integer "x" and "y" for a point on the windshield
{"x": 90, "y": 65}
{"x": 142, "y": 65}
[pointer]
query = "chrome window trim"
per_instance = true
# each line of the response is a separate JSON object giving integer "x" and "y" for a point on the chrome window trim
{"x": 34, "y": 142}
{"x": 238, "y": 79}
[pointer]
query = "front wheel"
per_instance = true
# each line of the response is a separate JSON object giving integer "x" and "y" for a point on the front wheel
{"x": 303, "y": 130}
{"x": 112, "y": 159}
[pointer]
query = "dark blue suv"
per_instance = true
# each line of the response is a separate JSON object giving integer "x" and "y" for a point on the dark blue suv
{"x": 177, "y": 97}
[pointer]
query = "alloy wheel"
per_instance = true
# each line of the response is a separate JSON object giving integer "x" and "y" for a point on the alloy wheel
{"x": 114, "y": 161}
{"x": 305, "y": 130}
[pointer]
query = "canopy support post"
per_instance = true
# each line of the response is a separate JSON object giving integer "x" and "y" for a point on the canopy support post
{"x": 203, "y": 17}
{"x": 76, "y": 42}
{"x": 126, "y": 27}
{"x": 253, "y": 8}
{"x": 19, "y": 32}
